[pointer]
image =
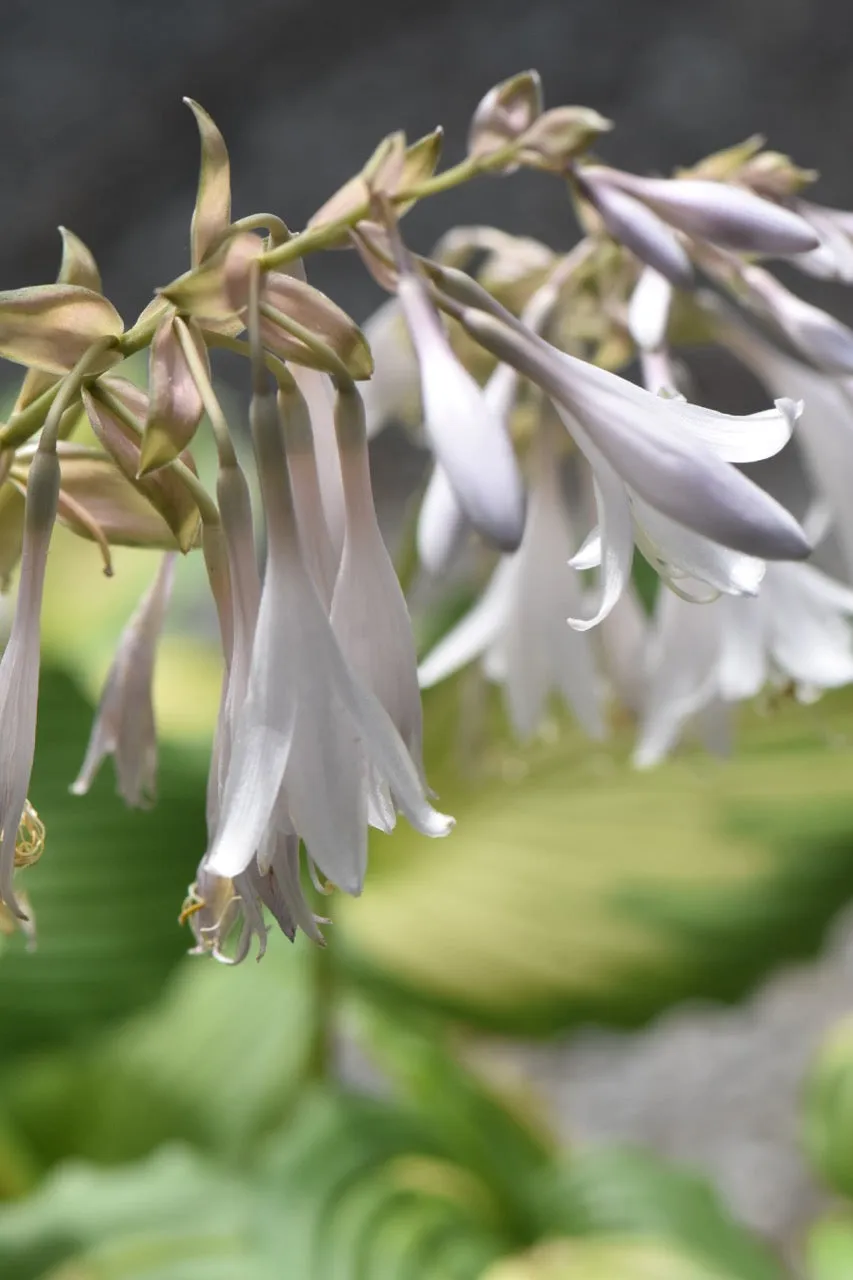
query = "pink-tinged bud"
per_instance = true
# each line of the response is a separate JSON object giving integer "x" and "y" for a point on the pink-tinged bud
{"x": 175, "y": 404}
{"x": 823, "y": 340}
{"x": 52, "y": 326}
{"x": 216, "y": 293}
{"x": 557, "y": 136}
{"x": 124, "y": 724}
{"x": 726, "y": 215}
{"x": 635, "y": 226}
{"x": 285, "y": 298}
{"x": 19, "y": 667}
{"x": 212, "y": 213}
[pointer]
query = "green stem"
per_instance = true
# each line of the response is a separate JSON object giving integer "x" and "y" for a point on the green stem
{"x": 69, "y": 392}
{"x": 314, "y": 238}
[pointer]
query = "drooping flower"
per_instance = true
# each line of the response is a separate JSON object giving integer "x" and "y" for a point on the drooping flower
{"x": 704, "y": 659}
{"x": 468, "y": 439}
{"x": 308, "y": 724}
{"x": 19, "y": 667}
{"x": 124, "y": 724}
{"x": 825, "y": 430}
{"x": 660, "y": 466}
{"x": 719, "y": 212}
{"x": 519, "y": 628}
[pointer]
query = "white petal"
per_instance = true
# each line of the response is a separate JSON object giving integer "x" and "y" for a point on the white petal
{"x": 469, "y": 440}
{"x": 648, "y": 310}
{"x": 588, "y": 554}
{"x": 682, "y": 674}
{"x": 623, "y": 636}
{"x": 475, "y": 632}
{"x": 320, "y": 558}
{"x": 442, "y": 524}
{"x": 542, "y": 653}
{"x": 820, "y": 337}
{"x": 394, "y": 390}
{"x": 615, "y": 529}
{"x": 743, "y": 657}
{"x": 641, "y": 231}
{"x": 744, "y": 439}
{"x": 370, "y": 617}
{"x": 724, "y": 214}
{"x": 319, "y": 396}
{"x": 678, "y": 552}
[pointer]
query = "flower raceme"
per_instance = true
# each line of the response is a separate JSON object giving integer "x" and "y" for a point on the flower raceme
{"x": 319, "y": 734}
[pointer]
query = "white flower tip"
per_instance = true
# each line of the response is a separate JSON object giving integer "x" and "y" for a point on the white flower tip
{"x": 438, "y": 824}
{"x": 791, "y": 409}
{"x": 80, "y": 787}
{"x": 588, "y": 554}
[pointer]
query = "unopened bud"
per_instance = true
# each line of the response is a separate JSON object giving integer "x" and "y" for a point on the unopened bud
{"x": 822, "y": 339}
{"x": 505, "y": 113}
{"x": 638, "y": 229}
{"x": 557, "y": 136}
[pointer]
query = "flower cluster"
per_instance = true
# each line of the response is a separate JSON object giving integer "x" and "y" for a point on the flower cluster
{"x": 544, "y": 454}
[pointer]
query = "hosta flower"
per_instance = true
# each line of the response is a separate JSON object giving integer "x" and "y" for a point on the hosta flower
{"x": 661, "y": 467}
{"x": 833, "y": 258}
{"x": 19, "y": 667}
{"x": 468, "y": 439}
{"x": 519, "y": 625}
{"x": 309, "y": 729}
{"x": 726, "y": 215}
{"x": 818, "y": 337}
{"x": 703, "y": 659}
{"x": 124, "y": 722}
{"x": 825, "y": 430}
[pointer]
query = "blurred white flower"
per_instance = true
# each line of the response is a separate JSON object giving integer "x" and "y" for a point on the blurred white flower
{"x": 519, "y": 625}
{"x": 706, "y": 658}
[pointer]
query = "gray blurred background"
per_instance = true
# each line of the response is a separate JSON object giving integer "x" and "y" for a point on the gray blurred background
{"x": 94, "y": 136}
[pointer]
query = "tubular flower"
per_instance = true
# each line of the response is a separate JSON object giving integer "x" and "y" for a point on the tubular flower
{"x": 704, "y": 660}
{"x": 19, "y": 668}
{"x": 661, "y": 467}
{"x": 307, "y": 725}
{"x": 124, "y": 724}
{"x": 518, "y": 627}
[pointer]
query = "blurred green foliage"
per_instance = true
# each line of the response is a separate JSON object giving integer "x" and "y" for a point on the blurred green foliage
{"x": 165, "y": 1118}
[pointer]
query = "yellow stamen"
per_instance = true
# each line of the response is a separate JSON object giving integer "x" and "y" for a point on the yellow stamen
{"x": 30, "y": 841}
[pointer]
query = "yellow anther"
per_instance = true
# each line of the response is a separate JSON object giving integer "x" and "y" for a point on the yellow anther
{"x": 29, "y": 844}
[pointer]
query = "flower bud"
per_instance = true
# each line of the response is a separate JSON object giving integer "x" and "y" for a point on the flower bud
{"x": 505, "y": 113}
{"x": 175, "y": 404}
{"x": 557, "y": 136}
{"x": 639, "y": 229}
{"x": 819, "y": 337}
{"x": 51, "y": 326}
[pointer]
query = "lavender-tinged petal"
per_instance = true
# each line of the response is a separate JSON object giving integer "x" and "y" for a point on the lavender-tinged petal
{"x": 468, "y": 438}
{"x": 615, "y": 529}
{"x": 542, "y": 653}
{"x": 475, "y": 632}
{"x": 681, "y": 674}
{"x": 676, "y": 552}
{"x": 641, "y": 231}
{"x": 726, "y": 215}
{"x": 442, "y": 524}
{"x": 822, "y": 339}
{"x": 648, "y": 310}
{"x": 744, "y": 439}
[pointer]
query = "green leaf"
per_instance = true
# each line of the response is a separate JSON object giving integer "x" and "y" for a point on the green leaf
{"x": 619, "y": 1259}
{"x": 107, "y": 891}
{"x": 623, "y": 1191}
{"x": 217, "y": 1061}
{"x": 171, "y": 1217}
{"x": 829, "y": 1250}
{"x": 492, "y": 1135}
{"x": 828, "y": 1110}
{"x": 574, "y": 889}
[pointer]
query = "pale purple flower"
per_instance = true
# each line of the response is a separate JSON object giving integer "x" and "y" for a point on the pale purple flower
{"x": 307, "y": 726}
{"x": 819, "y": 337}
{"x": 19, "y": 667}
{"x": 124, "y": 725}
{"x": 719, "y": 212}
{"x": 468, "y": 439}
{"x": 825, "y": 430}
{"x": 663, "y": 466}
{"x": 705, "y": 659}
{"x": 639, "y": 229}
{"x": 518, "y": 627}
